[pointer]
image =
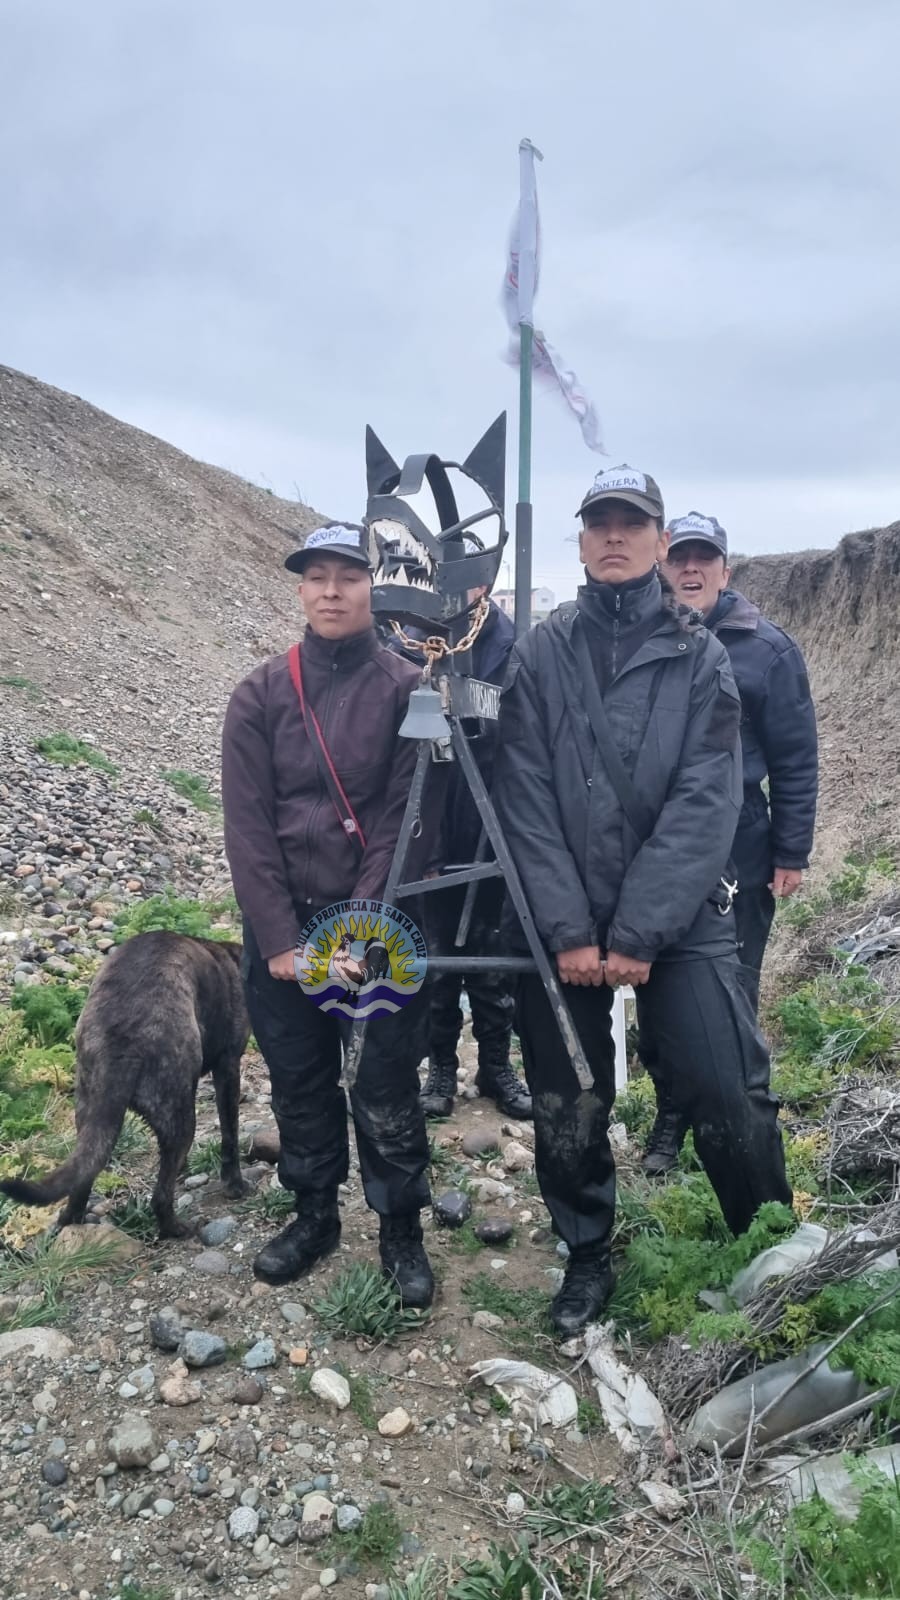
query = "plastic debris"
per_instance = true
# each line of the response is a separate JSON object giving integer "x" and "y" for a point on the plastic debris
{"x": 802, "y": 1247}
{"x": 551, "y": 1400}
{"x": 630, "y": 1408}
{"x": 723, "y": 1420}
{"x": 836, "y": 1478}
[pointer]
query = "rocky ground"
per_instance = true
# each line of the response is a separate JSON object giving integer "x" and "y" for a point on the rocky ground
{"x": 184, "y": 1427}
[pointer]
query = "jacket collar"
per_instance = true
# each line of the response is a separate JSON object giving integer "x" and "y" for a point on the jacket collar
{"x": 341, "y": 655}
{"x": 635, "y": 601}
{"x": 733, "y": 610}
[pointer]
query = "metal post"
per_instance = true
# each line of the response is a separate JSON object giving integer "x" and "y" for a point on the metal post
{"x": 523, "y": 505}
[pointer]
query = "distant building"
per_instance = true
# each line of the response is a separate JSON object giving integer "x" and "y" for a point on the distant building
{"x": 542, "y": 602}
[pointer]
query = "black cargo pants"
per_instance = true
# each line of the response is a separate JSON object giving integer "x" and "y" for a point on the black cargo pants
{"x": 714, "y": 1057}
{"x": 303, "y": 1050}
{"x": 490, "y": 993}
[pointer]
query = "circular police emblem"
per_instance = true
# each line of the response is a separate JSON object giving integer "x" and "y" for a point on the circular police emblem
{"x": 361, "y": 959}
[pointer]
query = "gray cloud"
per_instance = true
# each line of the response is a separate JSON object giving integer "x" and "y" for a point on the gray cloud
{"x": 254, "y": 229}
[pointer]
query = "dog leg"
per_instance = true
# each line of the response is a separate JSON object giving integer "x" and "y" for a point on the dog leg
{"x": 227, "y": 1081}
{"x": 174, "y": 1128}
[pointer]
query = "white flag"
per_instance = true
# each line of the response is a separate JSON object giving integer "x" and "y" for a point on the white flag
{"x": 519, "y": 290}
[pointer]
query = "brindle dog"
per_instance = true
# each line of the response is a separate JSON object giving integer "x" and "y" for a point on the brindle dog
{"x": 163, "y": 1011}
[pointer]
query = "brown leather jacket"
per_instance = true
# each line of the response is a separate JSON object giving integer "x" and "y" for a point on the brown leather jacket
{"x": 288, "y": 852}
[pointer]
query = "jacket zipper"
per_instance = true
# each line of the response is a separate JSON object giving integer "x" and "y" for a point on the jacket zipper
{"x": 615, "y": 649}
{"x": 309, "y": 873}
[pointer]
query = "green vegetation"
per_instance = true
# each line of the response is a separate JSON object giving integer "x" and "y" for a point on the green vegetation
{"x": 42, "y": 1275}
{"x": 193, "y": 788}
{"x": 376, "y": 1540}
{"x": 362, "y": 1301}
{"x": 69, "y": 752}
{"x": 838, "y": 1023}
{"x": 205, "y": 1157}
{"x": 148, "y": 819}
{"x": 822, "y": 1555}
{"x": 848, "y": 886}
{"x": 14, "y": 680}
{"x": 171, "y": 913}
{"x": 524, "y": 1311}
{"x": 50, "y": 1011}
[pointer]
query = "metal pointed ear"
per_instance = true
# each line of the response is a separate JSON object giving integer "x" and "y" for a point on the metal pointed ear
{"x": 382, "y": 471}
{"x": 487, "y": 462}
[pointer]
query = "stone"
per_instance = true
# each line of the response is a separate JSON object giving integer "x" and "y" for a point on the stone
{"x": 243, "y": 1525}
{"x": 515, "y": 1506}
{"x": 452, "y": 1208}
{"x": 488, "y": 1320}
{"x": 410, "y": 1544}
{"x": 298, "y": 1356}
{"x": 265, "y": 1145}
{"x": 493, "y": 1230}
{"x": 160, "y": 1463}
{"x": 478, "y": 1141}
{"x": 120, "y": 1246}
{"x": 46, "y": 1343}
{"x": 136, "y": 1502}
{"x": 166, "y": 1328}
{"x": 394, "y": 1424}
{"x": 329, "y": 1385}
{"x": 54, "y": 1473}
{"x": 163, "y": 1507}
{"x": 347, "y": 1518}
{"x": 516, "y": 1158}
{"x": 201, "y": 1349}
{"x": 197, "y": 1180}
{"x": 487, "y": 1189}
{"x": 283, "y": 1531}
{"x": 132, "y": 1443}
{"x": 246, "y": 1391}
{"x": 143, "y": 1380}
{"x": 293, "y": 1311}
{"x": 218, "y": 1231}
{"x": 318, "y": 1516}
{"x": 327, "y": 1577}
{"x": 179, "y": 1391}
{"x": 480, "y": 1469}
{"x": 211, "y": 1262}
{"x": 263, "y": 1354}
{"x": 44, "y": 1403}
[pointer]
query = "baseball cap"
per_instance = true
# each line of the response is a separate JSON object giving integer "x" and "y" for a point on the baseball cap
{"x": 625, "y": 483}
{"x": 345, "y": 539}
{"x": 696, "y": 526}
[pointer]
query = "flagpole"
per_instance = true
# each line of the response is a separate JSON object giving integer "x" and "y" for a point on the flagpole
{"x": 527, "y": 267}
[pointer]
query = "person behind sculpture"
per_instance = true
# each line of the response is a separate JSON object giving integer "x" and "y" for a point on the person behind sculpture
{"x": 291, "y": 855}
{"x": 618, "y": 784}
{"x": 779, "y": 748}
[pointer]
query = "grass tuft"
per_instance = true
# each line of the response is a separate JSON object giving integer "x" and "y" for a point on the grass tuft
{"x": 362, "y": 1301}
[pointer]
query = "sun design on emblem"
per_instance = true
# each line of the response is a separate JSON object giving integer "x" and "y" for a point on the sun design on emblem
{"x": 321, "y": 957}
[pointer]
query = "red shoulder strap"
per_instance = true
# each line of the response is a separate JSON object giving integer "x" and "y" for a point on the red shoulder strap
{"x": 342, "y": 806}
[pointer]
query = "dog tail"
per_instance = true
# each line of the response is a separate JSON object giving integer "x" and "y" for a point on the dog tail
{"x": 93, "y": 1148}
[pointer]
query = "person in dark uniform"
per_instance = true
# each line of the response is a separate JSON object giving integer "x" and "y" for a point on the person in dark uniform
{"x": 774, "y": 835}
{"x": 490, "y": 994}
{"x": 297, "y": 845}
{"x": 618, "y": 784}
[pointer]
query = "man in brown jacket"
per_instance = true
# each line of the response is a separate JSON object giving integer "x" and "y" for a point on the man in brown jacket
{"x": 292, "y": 854}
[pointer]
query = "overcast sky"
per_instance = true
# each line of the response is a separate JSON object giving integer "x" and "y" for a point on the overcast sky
{"x": 253, "y": 228}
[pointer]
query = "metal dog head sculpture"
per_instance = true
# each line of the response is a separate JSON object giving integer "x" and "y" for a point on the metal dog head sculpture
{"x": 423, "y": 576}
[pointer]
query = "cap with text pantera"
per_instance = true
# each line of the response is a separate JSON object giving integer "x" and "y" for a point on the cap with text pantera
{"x": 624, "y": 483}
{"x": 705, "y": 530}
{"x": 345, "y": 539}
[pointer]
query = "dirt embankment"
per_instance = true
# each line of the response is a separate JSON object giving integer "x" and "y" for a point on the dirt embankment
{"x": 843, "y": 607}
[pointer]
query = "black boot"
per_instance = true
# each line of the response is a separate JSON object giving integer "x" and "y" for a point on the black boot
{"x": 404, "y": 1260}
{"x": 439, "y": 1088}
{"x": 509, "y": 1094}
{"x": 587, "y": 1286}
{"x": 665, "y": 1141}
{"x": 313, "y": 1234}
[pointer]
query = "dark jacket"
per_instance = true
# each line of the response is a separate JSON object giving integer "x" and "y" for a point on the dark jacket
{"x": 286, "y": 846}
{"x": 675, "y": 715}
{"x": 778, "y": 736}
{"x": 490, "y": 657}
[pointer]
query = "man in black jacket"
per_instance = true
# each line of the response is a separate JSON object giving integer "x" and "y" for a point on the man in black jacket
{"x": 490, "y": 994}
{"x": 778, "y": 738}
{"x": 618, "y": 782}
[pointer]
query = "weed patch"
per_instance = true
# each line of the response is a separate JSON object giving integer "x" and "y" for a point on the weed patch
{"x": 376, "y": 1540}
{"x": 362, "y": 1301}
{"x": 193, "y": 788}
{"x": 171, "y": 913}
{"x": 69, "y": 752}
